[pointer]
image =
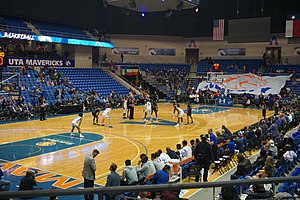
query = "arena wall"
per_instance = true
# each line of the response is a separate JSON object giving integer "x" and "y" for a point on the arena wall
{"x": 207, "y": 48}
{"x": 83, "y": 56}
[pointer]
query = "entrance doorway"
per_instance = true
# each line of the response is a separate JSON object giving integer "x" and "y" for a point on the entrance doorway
{"x": 192, "y": 56}
{"x": 273, "y": 55}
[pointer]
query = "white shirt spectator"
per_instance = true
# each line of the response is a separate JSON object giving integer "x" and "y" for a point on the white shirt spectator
{"x": 151, "y": 166}
{"x": 290, "y": 155}
{"x": 182, "y": 154}
{"x": 188, "y": 151}
{"x": 165, "y": 158}
{"x": 158, "y": 164}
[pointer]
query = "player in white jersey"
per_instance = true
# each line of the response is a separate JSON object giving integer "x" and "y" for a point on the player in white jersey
{"x": 105, "y": 115}
{"x": 181, "y": 152}
{"x": 76, "y": 124}
{"x": 179, "y": 115}
{"x": 125, "y": 102}
{"x": 147, "y": 109}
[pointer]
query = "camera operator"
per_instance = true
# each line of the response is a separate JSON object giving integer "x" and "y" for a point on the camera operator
{"x": 28, "y": 182}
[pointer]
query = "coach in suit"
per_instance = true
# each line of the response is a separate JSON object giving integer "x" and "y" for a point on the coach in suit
{"x": 203, "y": 154}
{"x": 88, "y": 172}
{"x": 131, "y": 105}
{"x": 43, "y": 105}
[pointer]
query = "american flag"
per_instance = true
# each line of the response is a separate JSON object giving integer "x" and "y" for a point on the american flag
{"x": 218, "y": 29}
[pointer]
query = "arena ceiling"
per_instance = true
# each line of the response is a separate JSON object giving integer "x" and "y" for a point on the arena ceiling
{"x": 153, "y": 5}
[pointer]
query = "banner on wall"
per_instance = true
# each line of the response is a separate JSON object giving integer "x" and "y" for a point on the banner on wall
{"x": 232, "y": 52}
{"x": 50, "y": 39}
{"x": 126, "y": 51}
{"x": 247, "y": 83}
{"x": 297, "y": 51}
{"x": 126, "y": 70}
{"x": 223, "y": 100}
{"x": 40, "y": 62}
{"x": 162, "y": 52}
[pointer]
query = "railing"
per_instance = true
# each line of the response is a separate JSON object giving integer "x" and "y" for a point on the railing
{"x": 32, "y": 54}
{"x": 8, "y": 28}
{"x": 122, "y": 78}
{"x": 64, "y": 34}
{"x": 121, "y": 189}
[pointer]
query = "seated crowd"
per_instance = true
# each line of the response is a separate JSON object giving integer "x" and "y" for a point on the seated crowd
{"x": 17, "y": 107}
{"x": 270, "y": 136}
{"x": 173, "y": 78}
{"x": 278, "y": 149}
{"x": 21, "y": 49}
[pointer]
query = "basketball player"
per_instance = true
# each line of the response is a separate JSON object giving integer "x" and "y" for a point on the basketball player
{"x": 105, "y": 115}
{"x": 264, "y": 110}
{"x": 43, "y": 105}
{"x": 174, "y": 107}
{"x": 147, "y": 109}
{"x": 76, "y": 124}
{"x": 95, "y": 114}
{"x": 154, "y": 109}
{"x": 179, "y": 115}
{"x": 125, "y": 112}
{"x": 189, "y": 113}
{"x": 181, "y": 152}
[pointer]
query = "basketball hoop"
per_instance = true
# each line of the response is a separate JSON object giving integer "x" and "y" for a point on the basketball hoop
{"x": 214, "y": 77}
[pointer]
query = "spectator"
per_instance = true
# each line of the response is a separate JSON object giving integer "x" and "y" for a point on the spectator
{"x": 146, "y": 168}
{"x": 113, "y": 179}
{"x": 172, "y": 153}
{"x": 289, "y": 155}
{"x": 204, "y": 155}
{"x": 273, "y": 148}
{"x": 193, "y": 144}
{"x": 240, "y": 142}
{"x": 214, "y": 143}
{"x": 261, "y": 159}
{"x": 269, "y": 167}
{"x": 162, "y": 176}
{"x": 227, "y": 133}
{"x": 129, "y": 175}
{"x": 158, "y": 164}
{"x": 163, "y": 157}
{"x": 181, "y": 152}
{"x": 259, "y": 192}
{"x": 229, "y": 193}
{"x": 231, "y": 145}
{"x": 244, "y": 167}
{"x": 280, "y": 158}
{"x": 28, "y": 182}
{"x": 4, "y": 184}
{"x": 187, "y": 149}
{"x": 88, "y": 172}
{"x": 220, "y": 138}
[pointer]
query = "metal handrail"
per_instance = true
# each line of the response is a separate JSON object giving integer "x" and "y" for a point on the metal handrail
{"x": 139, "y": 188}
{"x": 13, "y": 75}
{"x": 21, "y": 29}
{"x": 123, "y": 78}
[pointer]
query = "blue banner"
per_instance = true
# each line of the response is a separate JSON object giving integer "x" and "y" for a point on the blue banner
{"x": 232, "y": 52}
{"x": 127, "y": 51}
{"x": 223, "y": 100}
{"x": 162, "y": 52}
{"x": 42, "y": 38}
{"x": 39, "y": 62}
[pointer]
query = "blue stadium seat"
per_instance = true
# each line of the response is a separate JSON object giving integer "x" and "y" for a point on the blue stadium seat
{"x": 86, "y": 79}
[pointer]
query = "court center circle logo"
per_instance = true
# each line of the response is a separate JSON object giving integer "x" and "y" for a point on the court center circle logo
{"x": 46, "y": 144}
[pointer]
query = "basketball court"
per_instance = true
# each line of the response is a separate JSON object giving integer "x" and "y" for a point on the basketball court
{"x": 46, "y": 147}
